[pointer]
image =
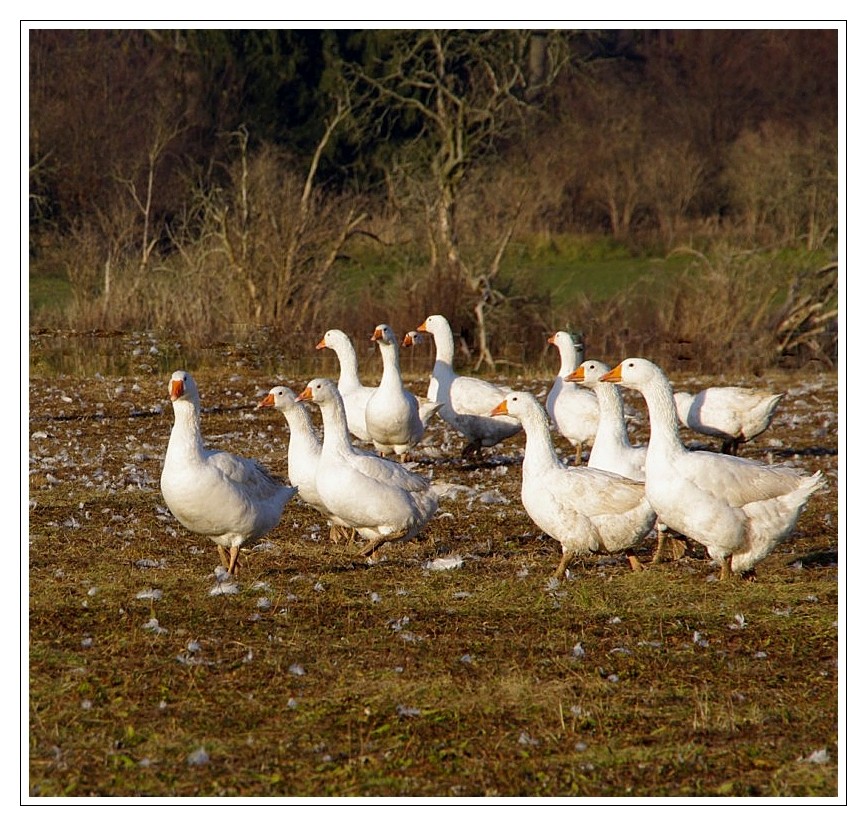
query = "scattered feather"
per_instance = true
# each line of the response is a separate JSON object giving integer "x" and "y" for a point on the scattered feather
{"x": 398, "y": 624}
{"x": 407, "y": 711}
{"x": 225, "y": 588}
{"x": 150, "y": 593}
{"x": 524, "y": 739}
{"x": 738, "y": 623}
{"x": 819, "y": 756}
{"x": 297, "y": 670}
{"x": 198, "y": 758}
{"x": 445, "y": 563}
{"x": 578, "y": 651}
{"x": 493, "y": 497}
{"x": 153, "y": 624}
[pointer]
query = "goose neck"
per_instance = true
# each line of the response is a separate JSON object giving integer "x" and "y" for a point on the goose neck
{"x": 611, "y": 421}
{"x": 539, "y": 453}
{"x": 335, "y": 434}
{"x": 662, "y": 413}
{"x": 445, "y": 346}
{"x": 186, "y": 435}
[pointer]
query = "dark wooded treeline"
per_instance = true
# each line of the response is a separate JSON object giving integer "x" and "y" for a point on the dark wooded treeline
{"x": 101, "y": 100}
{"x": 245, "y": 163}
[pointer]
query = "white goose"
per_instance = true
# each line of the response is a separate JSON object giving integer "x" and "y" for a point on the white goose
{"x": 612, "y": 450}
{"x": 381, "y": 499}
{"x": 231, "y": 500}
{"x": 303, "y": 452}
{"x": 739, "y": 509}
{"x": 466, "y": 401}
{"x": 585, "y": 509}
{"x": 573, "y": 410}
{"x": 355, "y": 394}
{"x": 733, "y": 414}
{"x": 392, "y": 413}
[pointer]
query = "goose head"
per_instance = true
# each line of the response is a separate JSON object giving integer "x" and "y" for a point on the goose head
{"x": 318, "y": 391}
{"x": 518, "y": 405}
{"x": 589, "y": 372}
{"x": 433, "y": 324}
{"x": 281, "y": 398}
{"x": 634, "y": 373}
{"x": 183, "y": 387}
{"x": 332, "y": 339}
{"x": 384, "y": 336}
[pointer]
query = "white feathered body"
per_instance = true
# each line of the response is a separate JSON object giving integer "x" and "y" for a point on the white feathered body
{"x": 573, "y": 410}
{"x": 466, "y": 401}
{"x": 585, "y": 509}
{"x": 729, "y": 413}
{"x": 392, "y": 414}
{"x": 231, "y": 500}
{"x": 355, "y": 394}
{"x": 375, "y": 496}
{"x": 738, "y": 508}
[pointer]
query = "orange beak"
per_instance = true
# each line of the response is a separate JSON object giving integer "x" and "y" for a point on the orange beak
{"x": 421, "y": 328}
{"x": 321, "y": 344}
{"x": 176, "y": 390}
{"x": 377, "y": 335}
{"x": 552, "y": 339}
{"x": 268, "y": 401}
{"x": 576, "y": 375}
{"x": 612, "y": 375}
{"x": 502, "y": 409}
{"x": 407, "y": 341}
{"x": 305, "y": 395}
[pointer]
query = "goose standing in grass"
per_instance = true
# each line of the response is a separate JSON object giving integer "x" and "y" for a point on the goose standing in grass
{"x": 231, "y": 500}
{"x": 573, "y": 410}
{"x": 737, "y": 508}
{"x": 303, "y": 452}
{"x": 466, "y": 401}
{"x": 392, "y": 413}
{"x": 733, "y": 414}
{"x": 355, "y": 394}
{"x": 612, "y": 450}
{"x": 381, "y": 499}
{"x": 585, "y": 509}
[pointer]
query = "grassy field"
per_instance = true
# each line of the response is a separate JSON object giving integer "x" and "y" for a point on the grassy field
{"x": 326, "y": 677}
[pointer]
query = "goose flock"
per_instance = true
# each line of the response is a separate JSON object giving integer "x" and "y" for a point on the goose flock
{"x": 737, "y": 508}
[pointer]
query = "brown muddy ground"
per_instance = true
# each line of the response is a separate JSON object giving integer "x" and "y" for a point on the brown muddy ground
{"x": 325, "y": 676}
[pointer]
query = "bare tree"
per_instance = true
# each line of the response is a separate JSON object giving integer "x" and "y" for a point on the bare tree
{"x": 672, "y": 175}
{"x": 464, "y": 91}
